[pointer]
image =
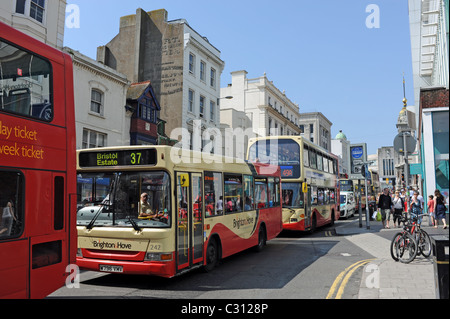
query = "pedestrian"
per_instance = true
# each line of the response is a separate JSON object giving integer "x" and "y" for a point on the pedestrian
{"x": 439, "y": 207}
{"x": 416, "y": 207}
{"x": 431, "y": 210}
{"x": 385, "y": 204}
{"x": 398, "y": 208}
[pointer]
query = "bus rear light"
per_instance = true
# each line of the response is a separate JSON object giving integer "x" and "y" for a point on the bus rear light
{"x": 158, "y": 257}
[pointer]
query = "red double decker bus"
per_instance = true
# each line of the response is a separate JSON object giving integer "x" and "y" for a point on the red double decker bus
{"x": 37, "y": 166}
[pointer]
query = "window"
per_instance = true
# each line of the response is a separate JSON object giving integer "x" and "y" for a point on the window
{"x": 128, "y": 196}
{"x": 191, "y": 101}
{"x": 97, "y": 101}
{"x": 292, "y": 195}
{"x": 191, "y": 63}
{"x": 312, "y": 159}
{"x": 233, "y": 193}
{"x": 37, "y": 10}
{"x": 202, "y": 71}
{"x": 305, "y": 156}
{"x": 261, "y": 197}
{"x": 320, "y": 199}
{"x": 11, "y": 204}
{"x": 147, "y": 110}
{"x": 213, "y": 194}
{"x": 213, "y": 78}
{"x": 92, "y": 139}
{"x": 249, "y": 191}
{"x": 212, "y": 111}
{"x": 331, "y": 196}
{"x": 202, "y": 105}
{"x": 274, "y": 192}
{"x": 20, "y": 6}
{"x": 25, "y": 83}
{"x": 34, "y": 8}
{"x": 325, "y": 164}
{"x": 313, "y": 195}
{"x": 311, "y": 128}
{"x": 319, "y": 162}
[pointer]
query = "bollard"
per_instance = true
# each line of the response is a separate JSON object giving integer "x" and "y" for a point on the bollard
{"x": 440, "y": 263}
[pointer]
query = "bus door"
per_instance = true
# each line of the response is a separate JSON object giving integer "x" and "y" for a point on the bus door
{"x": 307, "y": 202}
{"x": 189, "y": 220}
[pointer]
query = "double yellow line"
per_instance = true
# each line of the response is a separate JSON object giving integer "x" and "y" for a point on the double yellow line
{"x": 344, "y": 277}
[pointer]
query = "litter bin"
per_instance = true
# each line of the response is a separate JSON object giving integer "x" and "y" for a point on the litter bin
{"x": 440, "y": 261}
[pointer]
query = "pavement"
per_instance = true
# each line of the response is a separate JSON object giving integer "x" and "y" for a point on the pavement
{"x": 384, "y": 278}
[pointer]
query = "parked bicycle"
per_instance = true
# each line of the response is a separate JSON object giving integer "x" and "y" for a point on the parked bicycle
{"x": 412, "y": 240}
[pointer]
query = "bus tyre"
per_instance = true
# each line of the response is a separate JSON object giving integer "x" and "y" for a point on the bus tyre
{"x": 262, "y": 239}
{"x": 212, "y": 256}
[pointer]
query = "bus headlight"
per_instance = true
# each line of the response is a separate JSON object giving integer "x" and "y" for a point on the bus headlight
{"x": 158, "y": 257}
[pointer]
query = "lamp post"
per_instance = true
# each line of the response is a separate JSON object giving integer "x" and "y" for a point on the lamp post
{"x": 404, "y": 143}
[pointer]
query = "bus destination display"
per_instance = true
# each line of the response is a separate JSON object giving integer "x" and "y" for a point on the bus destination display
{"x": 118, "y": 158}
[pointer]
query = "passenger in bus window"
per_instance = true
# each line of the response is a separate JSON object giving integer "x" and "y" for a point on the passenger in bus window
{"x": 7, "y": 219}
{"x": 219, "y": 206}
{"x": 145, "y": 210}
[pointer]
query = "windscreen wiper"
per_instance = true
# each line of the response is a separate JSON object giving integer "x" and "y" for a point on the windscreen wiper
{"x": 92, "y": 222}
{"x": 135, "y": 226}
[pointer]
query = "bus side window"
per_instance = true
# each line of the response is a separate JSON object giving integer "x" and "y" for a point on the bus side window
{"x": 249, "y": 191}
{"x": 11, "y": 201}
{"x": 213, "y": 194}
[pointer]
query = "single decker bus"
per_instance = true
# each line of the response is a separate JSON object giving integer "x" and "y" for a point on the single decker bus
{"x": 161, "y": 210}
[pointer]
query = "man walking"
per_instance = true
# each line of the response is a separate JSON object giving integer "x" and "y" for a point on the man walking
{"x": 385, "y": 204}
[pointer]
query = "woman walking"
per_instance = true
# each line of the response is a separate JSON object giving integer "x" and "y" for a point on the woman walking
{"x": 431, "y": 210}
{"x": 398, "y": 208}
{"x": 439, "y": 207}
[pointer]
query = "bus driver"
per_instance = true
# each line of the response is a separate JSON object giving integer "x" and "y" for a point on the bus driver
{"x": 145, "y": 211}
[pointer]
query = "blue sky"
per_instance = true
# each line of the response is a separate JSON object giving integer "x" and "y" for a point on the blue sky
{"x": 320, "y": 52}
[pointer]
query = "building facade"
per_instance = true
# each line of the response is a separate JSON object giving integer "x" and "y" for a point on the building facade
{"x": 429, "y": 29}
{"x": 100, "y": 98}
{"x": 340, "y": 146}
{"x": 41, "y": 19}
{"x": 182, "y": 65}
{"x": 270, "y": 111}
{"x": 316, "y": 128}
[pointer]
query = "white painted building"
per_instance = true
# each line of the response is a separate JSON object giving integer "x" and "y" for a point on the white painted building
{"x": 340, "y": 147}
{"x": 41, "y": 19}
{"x": 100, "y": 98}
{"x": 270, "y": 110}
{"x": 316, "y": 128}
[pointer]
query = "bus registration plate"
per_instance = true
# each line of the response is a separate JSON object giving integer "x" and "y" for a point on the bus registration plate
{"x": 109, "y": 268}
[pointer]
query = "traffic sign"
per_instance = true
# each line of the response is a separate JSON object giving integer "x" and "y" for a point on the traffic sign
{"x": 410, "y": 143}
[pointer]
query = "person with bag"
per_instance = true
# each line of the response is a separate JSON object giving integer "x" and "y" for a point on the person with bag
{"x": 398, "y": 209}
{"x": 385, "y": 204}
{"x": 439, "y": 207}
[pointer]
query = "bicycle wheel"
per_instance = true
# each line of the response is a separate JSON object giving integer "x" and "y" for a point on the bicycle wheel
{"x": 424, "y": 243}
{"x": 405, "y": 248}
{"x": 394, "y": 241}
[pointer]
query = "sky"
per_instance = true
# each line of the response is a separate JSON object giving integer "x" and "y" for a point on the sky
{"x": 322, "y": 53}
